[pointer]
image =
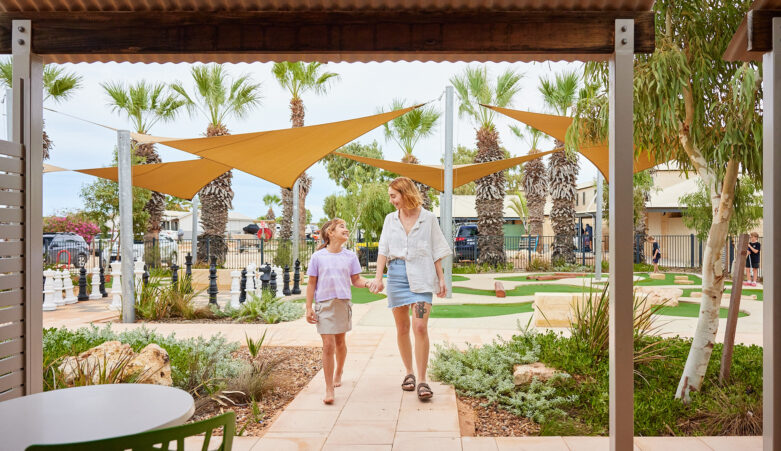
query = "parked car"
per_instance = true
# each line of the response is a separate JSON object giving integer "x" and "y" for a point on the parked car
{"x": 168, "y": 250}
{"x": 466, "y": 242}
{"x": 57, "y": 247}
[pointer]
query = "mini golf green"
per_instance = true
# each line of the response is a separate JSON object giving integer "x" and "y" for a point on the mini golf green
{"x": 479, "y": 310}
{"x": 360, "y": 296}
{"x": 527, "y": 279}
{"x": 746, "y": 292}
{"x": 690, "y": 310}
{"x": 457, "y": 278}
{"x": 526, "y": 290}
{"x": 669, "y": 279}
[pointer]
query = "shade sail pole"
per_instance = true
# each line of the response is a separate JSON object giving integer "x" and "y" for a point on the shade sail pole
{"x": 621, "y": 147}
{"x": 597, "y": 242}
{"x": 126, "y": 225}
{"x": 296, "y": 220}
{"x": 194, "y": 240}
{"x": 771, "y": 309}
{"x": 446, "y": 216}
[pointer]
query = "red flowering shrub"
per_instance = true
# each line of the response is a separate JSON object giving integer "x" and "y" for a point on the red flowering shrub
{"x": 71, "y": 223}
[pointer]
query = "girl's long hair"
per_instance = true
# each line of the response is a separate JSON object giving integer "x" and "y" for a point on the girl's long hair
{"x": 326, "y": 230}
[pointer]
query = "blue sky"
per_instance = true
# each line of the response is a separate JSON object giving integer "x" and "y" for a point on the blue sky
{"x": 362, "y": 90}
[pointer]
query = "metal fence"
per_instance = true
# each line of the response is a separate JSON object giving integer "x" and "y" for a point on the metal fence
{"x": 523, "y": 252}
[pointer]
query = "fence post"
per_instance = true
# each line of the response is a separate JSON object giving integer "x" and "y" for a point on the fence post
{"x": 691, "y": 248}
{"x": 209, "y": 249}
{"x": 213, "y": 280}
{"x": 529, "y": 250}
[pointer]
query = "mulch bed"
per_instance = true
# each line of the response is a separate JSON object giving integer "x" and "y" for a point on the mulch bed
{"x": 199, "y": 321}
{"x": 491, "y": 421}
{"x": 298, "y": 364}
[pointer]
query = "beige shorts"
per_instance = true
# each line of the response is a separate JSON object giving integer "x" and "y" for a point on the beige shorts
{"x": 334, "y": 316}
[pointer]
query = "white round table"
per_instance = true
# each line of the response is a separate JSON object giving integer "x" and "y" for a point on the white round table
{"x": 88, "y": 413}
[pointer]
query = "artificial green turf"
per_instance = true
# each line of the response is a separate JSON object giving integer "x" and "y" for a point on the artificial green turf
{"x": 746, "y": 292}
{"x": 669, "y": 279}
{"x": 526, "y": 290}
{"x": 689, "y": 310}
{"x": 360, "y": 296}
{"x": 479, "y": 310}
{"x": 526, "y": 278}
{"x": 457, "y": 278}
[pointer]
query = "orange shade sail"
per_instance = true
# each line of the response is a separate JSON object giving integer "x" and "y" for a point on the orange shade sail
{"x": 556, "y": 127}
{"x": 180, "y": 179}
{"x": 434, "y": 175}
{"x": 278, "y": 156}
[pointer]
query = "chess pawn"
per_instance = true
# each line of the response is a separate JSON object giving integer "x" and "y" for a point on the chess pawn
{"x": 95, "y": 294}
{"x": 138, "y": 273}
{"x": 70, "y": 296}
{"x": 235, "y": 289}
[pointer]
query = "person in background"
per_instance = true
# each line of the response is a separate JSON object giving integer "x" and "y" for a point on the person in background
{"x": 656, "y": 253}
{"x": 752, "y": 260}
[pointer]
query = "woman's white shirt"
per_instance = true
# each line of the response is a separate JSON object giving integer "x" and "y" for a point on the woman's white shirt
{"x": 424, "y": 245}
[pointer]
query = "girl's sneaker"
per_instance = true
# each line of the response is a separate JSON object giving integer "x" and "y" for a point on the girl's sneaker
{"x": 747, "y": 283}
{"x": 753, "y": 284}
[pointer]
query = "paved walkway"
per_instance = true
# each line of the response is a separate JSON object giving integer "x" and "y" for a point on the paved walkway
{"x": 371, "y": 412}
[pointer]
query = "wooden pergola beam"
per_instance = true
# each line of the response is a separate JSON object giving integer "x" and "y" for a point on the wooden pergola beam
{"x": 117, "y": 33}
{"x": 759, "y": 30}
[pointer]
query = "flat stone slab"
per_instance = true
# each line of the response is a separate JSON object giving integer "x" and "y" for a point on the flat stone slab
{"x": 658, "y": 296}
{"x": 657, "y": 276}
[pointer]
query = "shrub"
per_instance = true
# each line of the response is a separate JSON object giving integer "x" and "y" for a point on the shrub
{"x": 266, "y": 308}
{"x": 487, "y": 372}
{"x": 473, "y": 268}
{"x": 538, "y": 264}
{"x": 155, "y": 301}
{"x": 198, "y": 365}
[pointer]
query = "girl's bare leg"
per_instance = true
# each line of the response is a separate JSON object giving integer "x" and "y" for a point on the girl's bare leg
{"x": 401, "y": 316}
{"x": 329, "y": 347}
{"x": 420, "y": 329}
{"x": 341, "y": 354}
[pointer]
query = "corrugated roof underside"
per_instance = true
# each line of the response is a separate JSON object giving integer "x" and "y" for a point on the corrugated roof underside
{"x": 322, "y": 5}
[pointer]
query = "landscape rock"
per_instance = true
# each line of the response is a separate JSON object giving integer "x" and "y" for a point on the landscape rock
{"x": 657, "y": 295}
{"x": 657, "y": 276}
{"x": 151, "y": 366}
{"x": 523, "y": 374}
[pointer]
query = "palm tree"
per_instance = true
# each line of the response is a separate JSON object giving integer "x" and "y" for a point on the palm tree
{"x": 58, "y": 85}
{"x": 474, "y": 88}
{"x": 407, "y": 130}
{"x": 519, "y": 206}
{"x": 559, "y": 95}
{"x": 535, "y": 182}
{"x": 271, "y": 200}
{"x": 217, "y": 97}
{"x": 145, "y": 104}
{"x": 299, "y": 78}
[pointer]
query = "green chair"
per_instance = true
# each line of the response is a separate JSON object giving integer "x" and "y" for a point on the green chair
{"x": 157, "y": 439}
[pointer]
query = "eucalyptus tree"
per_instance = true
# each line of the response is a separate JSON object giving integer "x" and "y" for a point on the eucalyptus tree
{"x": 693, "y": 107}
{"x": 559, "y": 95}
{"x": 473, "y": 88}
{"x": 58, "y": 85}
{"x": 407, "y": 130}
{"x": 299, "y": 78}
{"x": 535, "y": 180}
{"x": 216, "y": 96}
{"x": 145, "y": 104}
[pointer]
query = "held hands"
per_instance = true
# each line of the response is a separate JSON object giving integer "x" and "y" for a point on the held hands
{"x": 376, "y": 285}
{"x": 311, "y": 318}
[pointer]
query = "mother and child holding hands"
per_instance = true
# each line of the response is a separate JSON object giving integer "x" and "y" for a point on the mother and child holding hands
{"x": 412, "y": 247}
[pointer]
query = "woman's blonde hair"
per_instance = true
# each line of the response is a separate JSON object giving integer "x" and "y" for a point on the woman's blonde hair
{"x": 410, "y": 195}
{"x": 326, "y": 230}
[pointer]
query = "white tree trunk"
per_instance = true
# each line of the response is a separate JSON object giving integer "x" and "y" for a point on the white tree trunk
{"x": 712, "y": 289}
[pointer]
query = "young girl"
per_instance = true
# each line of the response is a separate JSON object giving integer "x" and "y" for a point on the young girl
{"x": 752, "y": 260}
{"x": 331, "y": 270}
{"x": 656, "y": 254}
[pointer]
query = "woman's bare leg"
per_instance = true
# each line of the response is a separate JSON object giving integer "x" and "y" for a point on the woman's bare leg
{"x": 420, "y": 329}
{"x": 401, "y": 316}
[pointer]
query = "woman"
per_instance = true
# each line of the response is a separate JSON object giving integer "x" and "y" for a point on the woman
{"x": 413, "y": 246}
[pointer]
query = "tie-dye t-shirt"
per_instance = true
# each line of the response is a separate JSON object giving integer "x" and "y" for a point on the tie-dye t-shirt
{"x": 333, "y": 272}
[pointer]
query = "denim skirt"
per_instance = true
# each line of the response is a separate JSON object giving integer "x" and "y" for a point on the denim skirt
{"x": 398, "y": 290}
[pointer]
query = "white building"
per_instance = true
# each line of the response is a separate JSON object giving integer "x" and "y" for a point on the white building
{"x": 183, "y": 221}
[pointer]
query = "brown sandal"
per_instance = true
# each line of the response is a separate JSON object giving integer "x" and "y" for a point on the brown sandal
{"x": 408, "y": 384}
{"x": 424, "y": 391}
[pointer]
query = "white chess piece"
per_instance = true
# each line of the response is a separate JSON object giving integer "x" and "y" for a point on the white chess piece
{"x": 235, "y": 289}
{"x": 48, "y": 292}
{"x": 138, "y": 273}
{"x": 250, "y": 288}
{"x": 57, "y": 286}
{"x": 116, "y": 286}
{"x": 70, "y": 296}
{"x": 95, "y": 294}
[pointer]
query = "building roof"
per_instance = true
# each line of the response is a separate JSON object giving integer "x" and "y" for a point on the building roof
{"x": 464, "y": 207}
